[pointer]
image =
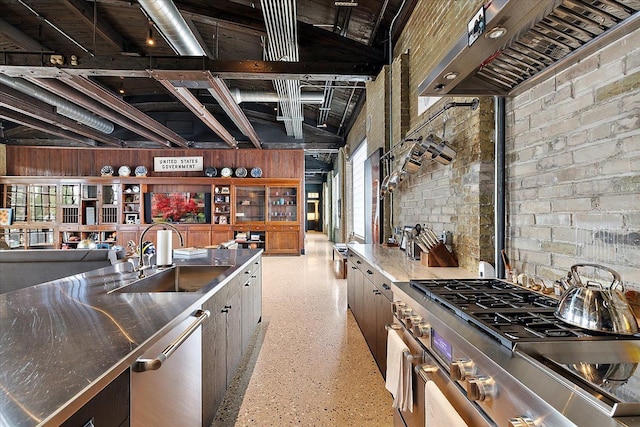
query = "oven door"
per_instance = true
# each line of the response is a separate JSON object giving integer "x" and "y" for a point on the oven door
{"x": 446, "y": 398}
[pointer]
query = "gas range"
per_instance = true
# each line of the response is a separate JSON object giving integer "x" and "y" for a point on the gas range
{"x": 503, "y": 340}
{"x": 507, "y": 312}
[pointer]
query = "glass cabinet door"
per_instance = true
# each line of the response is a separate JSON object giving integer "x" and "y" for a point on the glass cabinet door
{"x": 249, "y": 204}
{"x": 283, "y": 204}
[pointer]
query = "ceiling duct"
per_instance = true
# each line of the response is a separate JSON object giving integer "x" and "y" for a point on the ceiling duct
{"x": 167, "y": 18}
{"x": 282, "y": 37}
{"x": 63, "y": 107}
{"x": 537, "y": 38}
{"x": 241, "y": 96}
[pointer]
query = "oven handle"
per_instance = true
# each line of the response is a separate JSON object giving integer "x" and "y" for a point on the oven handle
{"x": 426, "y": 371}
{"x": 411, "y": 358}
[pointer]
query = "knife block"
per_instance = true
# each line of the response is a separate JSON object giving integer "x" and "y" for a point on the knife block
{"x": 438, "y": 256}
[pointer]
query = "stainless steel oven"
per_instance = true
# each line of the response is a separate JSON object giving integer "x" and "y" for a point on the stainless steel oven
{"x": 478, "y": 339}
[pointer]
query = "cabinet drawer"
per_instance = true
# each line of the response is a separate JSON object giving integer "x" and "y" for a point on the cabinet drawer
{"x": 283, "y": 228}
{"x": 247, "y": 227}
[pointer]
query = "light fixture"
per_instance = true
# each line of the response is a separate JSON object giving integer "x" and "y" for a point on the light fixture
{"x": 452, "y": 75}
{"x": 150, "y": 40}
{"x": 121, "y": 91}
{"x": 346, "y": 3}
{"x": 496, "y": 33}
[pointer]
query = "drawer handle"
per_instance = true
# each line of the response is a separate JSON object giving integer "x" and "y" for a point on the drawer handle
{"x": 369, "y": 272}
{"x": 386, "y": 287}
{"x": 142, "y": 365}
{"x": 358, "y": 262}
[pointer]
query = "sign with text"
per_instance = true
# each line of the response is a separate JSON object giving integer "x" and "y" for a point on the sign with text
{"x": 177, "y": 164}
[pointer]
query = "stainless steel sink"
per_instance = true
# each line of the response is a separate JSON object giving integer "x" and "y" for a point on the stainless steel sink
{"x": 178, "y": 279}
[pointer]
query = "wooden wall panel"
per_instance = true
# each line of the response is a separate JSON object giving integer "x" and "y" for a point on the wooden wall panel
{"x": 55, "y": 161}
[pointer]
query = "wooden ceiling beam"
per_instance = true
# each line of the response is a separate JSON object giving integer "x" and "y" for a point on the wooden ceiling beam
{"x": 112, "y": 101}
{"x": 19, "y": 38}
{"x": 23, "y": 65}
{"x": 67, "y": 92}
{"x": 84, "y": 10}
{"x": 192, "y": 103}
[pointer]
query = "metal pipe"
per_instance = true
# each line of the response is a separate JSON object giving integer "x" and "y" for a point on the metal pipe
{"x": 500, "y": 198}
{"x": 63, "y": 107}
{"x": 167, "y": 18}
{"x": 241, "y": 96}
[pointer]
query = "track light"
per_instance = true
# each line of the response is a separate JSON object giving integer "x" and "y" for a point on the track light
{"x": 346, "y": 3}
{"x": 150, "y": 40}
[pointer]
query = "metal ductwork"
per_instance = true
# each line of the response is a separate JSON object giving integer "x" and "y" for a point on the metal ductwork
{"x": 542, "y": 37}
{"x": 173, "y": 27}
{"x": 241, "y": 96}
{"x": 63, "y": 107}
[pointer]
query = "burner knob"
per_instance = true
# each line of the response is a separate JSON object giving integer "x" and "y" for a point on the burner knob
{"x": 521, "y": 422}
{"x": 422, "y": 330}
{"x": 461, "y": 369}
{"x": 481, "y": 389}
{"x": 413, "y": 320}
{"x": 397, "y": 306}
{"x": 405, "y": 313}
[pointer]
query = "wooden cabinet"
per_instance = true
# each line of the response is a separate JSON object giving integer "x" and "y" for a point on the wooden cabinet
{"x": 56, "y": 212}
{"x": 235, "y": 309}
{"x": 109, "y": 408}
{"x": 369, "y": 297}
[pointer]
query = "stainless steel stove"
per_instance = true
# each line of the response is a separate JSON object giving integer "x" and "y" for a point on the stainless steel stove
{"x": 514, "y": 362}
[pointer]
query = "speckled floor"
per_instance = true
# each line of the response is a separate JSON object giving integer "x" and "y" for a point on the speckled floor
{"x": 309, "y": 365}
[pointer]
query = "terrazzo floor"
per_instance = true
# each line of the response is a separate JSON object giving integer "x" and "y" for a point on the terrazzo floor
{"x": 309, "y": 364}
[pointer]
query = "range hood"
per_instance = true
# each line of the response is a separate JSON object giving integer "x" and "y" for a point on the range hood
{"x": 542, "y": 37}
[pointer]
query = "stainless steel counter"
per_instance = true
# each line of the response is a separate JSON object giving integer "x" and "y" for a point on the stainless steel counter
{"x": 61, "y": 342}
{"x": 397, "y": 267}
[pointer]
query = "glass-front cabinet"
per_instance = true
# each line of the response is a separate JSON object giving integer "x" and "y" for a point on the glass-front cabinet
{"x": 249, "y": 204}
{"x": 222, "y": 204}
{"x": 283, "y": 204}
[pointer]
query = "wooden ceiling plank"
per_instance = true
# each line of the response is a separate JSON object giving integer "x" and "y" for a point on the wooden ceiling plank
{"x": 102, "y": 28}
{"x": 67, "y": 92}
{"x": 22, "y": 104}
{"x": 19, "y": 38}
{"x": 191, "y": 102}
{"x": 21, "y": 119}
{"x": 102, "y": 95}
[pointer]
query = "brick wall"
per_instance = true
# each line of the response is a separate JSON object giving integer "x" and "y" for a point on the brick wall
{"x": 573, "y": 175}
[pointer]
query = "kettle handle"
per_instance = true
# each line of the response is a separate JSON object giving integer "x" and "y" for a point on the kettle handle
{"x": 617, "y": 281}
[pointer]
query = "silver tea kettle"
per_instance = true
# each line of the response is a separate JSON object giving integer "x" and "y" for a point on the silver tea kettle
{"x": 596, "y": 308}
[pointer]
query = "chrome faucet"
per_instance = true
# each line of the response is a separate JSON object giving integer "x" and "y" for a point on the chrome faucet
{"x": 163, "y": 224}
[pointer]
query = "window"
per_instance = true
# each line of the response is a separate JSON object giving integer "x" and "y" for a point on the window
{"x": 335, "y": 195}
{"x": 358, "y": 159}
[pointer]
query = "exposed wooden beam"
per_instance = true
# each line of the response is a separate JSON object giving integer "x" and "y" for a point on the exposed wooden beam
{"x": 38, "y": 110}
{"x": 21, "y": 65}
{"x": 32, "y": 123}
{"x": 109, "y": 99}
{"x": 67, "y": 92}
{"x": 84, "y": 10}
{"x": 191, "y": 102}
{"x": 19, "y": 38}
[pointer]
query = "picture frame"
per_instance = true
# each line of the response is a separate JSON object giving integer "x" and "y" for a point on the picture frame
{"x": 224, "y": 190}
{"x": 131, "y": 218}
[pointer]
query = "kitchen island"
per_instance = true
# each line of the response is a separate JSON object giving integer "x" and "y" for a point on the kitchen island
{"x": 64, "y": 341}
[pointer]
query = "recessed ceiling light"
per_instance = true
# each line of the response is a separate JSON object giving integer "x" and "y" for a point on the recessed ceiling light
{"x": 496, "y": 33}
{"x": 451, "y": 75}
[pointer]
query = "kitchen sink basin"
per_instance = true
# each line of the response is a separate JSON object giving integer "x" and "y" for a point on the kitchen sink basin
{"x": 179, "y": 279}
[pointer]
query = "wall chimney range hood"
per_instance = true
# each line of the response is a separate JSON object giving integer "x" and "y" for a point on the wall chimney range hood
{"x": 539, "y": 38}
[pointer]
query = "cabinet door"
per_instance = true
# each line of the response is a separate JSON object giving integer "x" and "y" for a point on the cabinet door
{"x": 384, "y": 316}
{"x": 234, "y": 334}
{"x": 256, "y": 281}
{"x": 108, "y": 408}
{"x": 221, "y": 235}
{"x": 246, "y": 293}
{"x": 282, "y": 242}
{"x": 214, "y": 359}
{"x": 198, "y": 236}
{"x": 368, "y": 314}
{"x": 249, "y": 204}
{"x": 351, "y": 288}
{"x": 126, "y": 234}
